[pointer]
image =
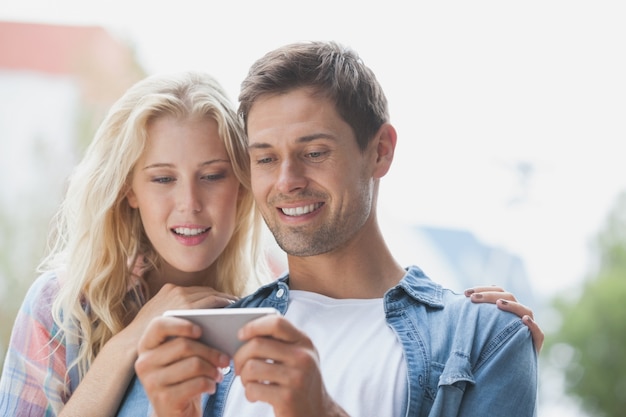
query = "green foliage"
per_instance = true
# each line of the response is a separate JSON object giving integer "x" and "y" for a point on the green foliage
{"x": 594, "y": 327}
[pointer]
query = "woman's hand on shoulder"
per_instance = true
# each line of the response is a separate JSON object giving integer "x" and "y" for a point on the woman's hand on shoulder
{"x": 506, "y": 301}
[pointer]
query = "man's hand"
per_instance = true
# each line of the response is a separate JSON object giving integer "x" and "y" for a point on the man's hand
{"x": 175, "y": 368}
{"x": 279, "y": 365}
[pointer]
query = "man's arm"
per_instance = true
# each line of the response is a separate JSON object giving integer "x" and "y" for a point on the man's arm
{"x": 505, "y": 382}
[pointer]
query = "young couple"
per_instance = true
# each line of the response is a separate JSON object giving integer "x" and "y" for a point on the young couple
{"x": 163, "y": 213}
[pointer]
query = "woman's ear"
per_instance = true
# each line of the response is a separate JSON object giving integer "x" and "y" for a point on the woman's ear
{"x": 385, "y": 141}
{"x": 132, "y": 198}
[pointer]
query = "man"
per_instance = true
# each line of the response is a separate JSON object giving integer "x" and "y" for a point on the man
{"x": 361, "y": 335}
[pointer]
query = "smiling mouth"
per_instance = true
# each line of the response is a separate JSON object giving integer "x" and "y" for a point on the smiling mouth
{"x": 302, "y": 210}
{"x": 186, "y": 231}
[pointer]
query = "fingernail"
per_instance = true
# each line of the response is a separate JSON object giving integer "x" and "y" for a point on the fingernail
{"x": 477, "y": 296}
{"x": 469, "y": 292}
{"x": 224, "y": 360}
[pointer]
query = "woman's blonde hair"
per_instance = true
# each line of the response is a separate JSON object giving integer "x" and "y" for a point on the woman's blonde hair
{"x": 99, "y": 238}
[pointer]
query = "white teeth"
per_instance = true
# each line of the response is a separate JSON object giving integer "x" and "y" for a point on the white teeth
{"x": 186, "y": 231}
{"x": 299, "y": 211}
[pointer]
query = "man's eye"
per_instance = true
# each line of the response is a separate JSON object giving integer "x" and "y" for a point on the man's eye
{"x": 316, "y": 154}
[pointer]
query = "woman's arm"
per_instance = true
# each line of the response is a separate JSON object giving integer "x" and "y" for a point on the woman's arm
{"x": 102, "y": 389}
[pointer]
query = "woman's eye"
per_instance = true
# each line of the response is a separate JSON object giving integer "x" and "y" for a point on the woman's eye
{"x": 214, "y": 177}
{"x": 162, "y": 180}
{"x": 265, "y": 160}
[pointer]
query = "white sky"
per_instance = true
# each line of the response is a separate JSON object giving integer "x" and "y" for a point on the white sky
{"x": 476, "y": 90}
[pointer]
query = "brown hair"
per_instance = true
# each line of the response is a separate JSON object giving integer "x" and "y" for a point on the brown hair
{"x": 330, "y": 69}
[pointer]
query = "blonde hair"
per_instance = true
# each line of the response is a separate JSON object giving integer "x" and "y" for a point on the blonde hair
{"x": 99, "y": 238}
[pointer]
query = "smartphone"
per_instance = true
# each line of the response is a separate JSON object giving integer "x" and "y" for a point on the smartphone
{"x": 220, "y": 325}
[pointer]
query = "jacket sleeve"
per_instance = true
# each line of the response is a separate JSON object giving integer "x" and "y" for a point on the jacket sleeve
{"x": 33, "y": 380}
{"x": 501, "y": 381}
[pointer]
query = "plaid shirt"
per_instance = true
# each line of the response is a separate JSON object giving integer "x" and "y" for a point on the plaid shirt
{"x": 34, "y": 380}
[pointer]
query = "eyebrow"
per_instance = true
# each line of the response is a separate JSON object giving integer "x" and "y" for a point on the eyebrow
{"x": 168, "y": 165}
{"x": 302, "y": 139}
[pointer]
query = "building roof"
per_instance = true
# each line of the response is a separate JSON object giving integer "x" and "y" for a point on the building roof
{"x": 103, "y": 65}
{"x": 52, "y": 49}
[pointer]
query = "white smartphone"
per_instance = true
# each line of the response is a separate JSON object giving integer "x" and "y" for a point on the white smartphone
{"x": 220, "y": 325}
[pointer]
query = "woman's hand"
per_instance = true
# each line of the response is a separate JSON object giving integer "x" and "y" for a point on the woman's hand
{"x": 507, "y": 302}
{"x": 171, "y": 297}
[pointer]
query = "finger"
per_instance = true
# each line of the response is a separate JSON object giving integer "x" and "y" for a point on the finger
{"x": 259, "y": 391}
{"x": 179, "y": 349}
{"x": 160, "y": 329}
{"x": 188, "y": 360}
{"x": 491, "y": 297}
{"x": 193, "y": 387}
{"x": 535, "y": 331}
{"x": 194, "y": 297}
{"x": 516, "y": 308}
{"x": 274, "y": 326}
{"x": 263, "y": 371}
{"x": 480, "y": 289}
{"x": 206, "y": 297}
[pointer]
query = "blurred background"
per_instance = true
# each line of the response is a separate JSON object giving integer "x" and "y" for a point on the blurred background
{"x": 509, "y": 167}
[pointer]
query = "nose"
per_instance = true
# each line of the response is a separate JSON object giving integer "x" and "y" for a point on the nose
{"x": 291, "y": 176}
{"x": 189, "y": 197}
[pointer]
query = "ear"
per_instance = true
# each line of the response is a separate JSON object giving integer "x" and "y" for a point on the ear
{"x": 385, "y": 142}
{"x": 132, "y": 198}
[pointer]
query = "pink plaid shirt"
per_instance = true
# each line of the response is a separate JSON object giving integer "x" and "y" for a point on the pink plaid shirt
{"x": 34, "y": 380}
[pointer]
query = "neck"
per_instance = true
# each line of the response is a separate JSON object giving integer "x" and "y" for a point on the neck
{"x": 362, "y": 268}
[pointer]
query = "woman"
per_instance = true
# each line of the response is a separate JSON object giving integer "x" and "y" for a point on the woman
{"x": 158, "y": 215}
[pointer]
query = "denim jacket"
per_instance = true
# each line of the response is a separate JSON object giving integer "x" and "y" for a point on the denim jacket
{"x": 463, "y": 359}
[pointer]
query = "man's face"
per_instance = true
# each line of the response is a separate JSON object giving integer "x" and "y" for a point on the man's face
{"x": 311, "y": 182}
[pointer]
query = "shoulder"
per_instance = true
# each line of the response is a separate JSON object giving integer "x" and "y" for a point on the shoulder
{"x": 35, "y": 312}
{"x": 455, "y": 324}
{"x": 274, "y": 294}
{"x": 478, "y": 331}
{"x": 42, "y": 293}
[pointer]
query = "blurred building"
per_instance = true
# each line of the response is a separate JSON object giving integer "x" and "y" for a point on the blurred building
{"x": 56, "y": 83}
{"x": 457, "y": 258}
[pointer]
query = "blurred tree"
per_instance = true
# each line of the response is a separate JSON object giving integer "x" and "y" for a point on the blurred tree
{"x": 589, "y": 345}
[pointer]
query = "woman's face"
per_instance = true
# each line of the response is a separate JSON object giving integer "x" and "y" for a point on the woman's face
{"x": 186, "y": 192}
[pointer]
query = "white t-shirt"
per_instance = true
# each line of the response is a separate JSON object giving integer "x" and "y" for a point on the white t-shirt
{"x": 362, "y": 360}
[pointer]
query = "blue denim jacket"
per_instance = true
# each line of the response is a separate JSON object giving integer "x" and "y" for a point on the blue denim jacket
{"x": 463, "y": 359}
